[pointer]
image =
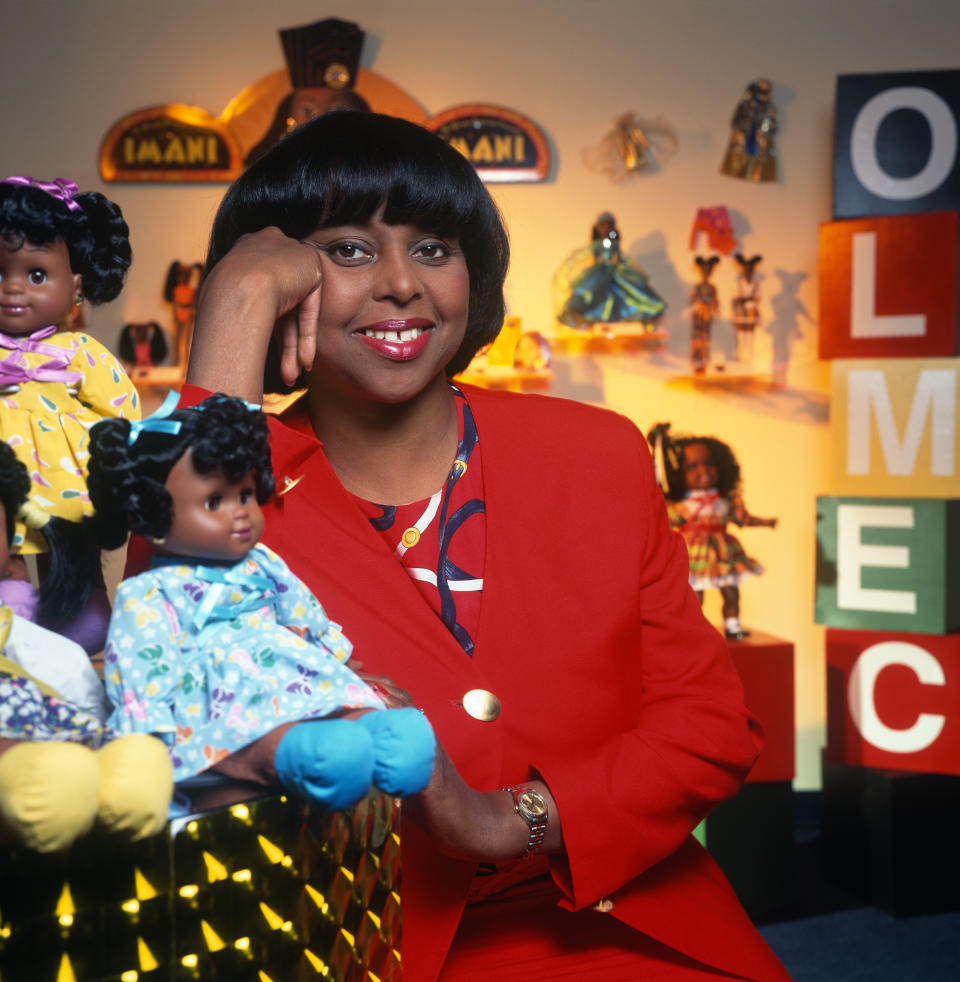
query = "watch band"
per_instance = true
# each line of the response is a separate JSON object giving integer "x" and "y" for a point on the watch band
{"x": 532, "y": 808}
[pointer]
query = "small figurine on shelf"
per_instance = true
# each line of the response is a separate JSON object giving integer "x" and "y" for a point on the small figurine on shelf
{"x": 180, "y": 290}
{"x": 60, "y": 772}
{"x": 700, "y": 478}
{"x": 751, "y": 153}
{"x": 599, "y": 285}
{"x": 57, "y": 248}
{"x": 218, "y": 644}
{"x": 746, "y": 305}
{"x": 703, "y": 307}
{"x": 142, "y": 345}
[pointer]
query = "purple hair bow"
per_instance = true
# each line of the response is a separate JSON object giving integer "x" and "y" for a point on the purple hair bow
{"x": 59, "y": 188}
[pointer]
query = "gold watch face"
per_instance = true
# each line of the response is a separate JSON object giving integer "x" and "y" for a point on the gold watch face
{"x": 531, "y": 803}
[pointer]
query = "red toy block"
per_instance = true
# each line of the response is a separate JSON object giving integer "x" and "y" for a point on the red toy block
{"x": 765, "y": 666}
{"x": 893, "y": 700}
{"x": 889, "y": 287}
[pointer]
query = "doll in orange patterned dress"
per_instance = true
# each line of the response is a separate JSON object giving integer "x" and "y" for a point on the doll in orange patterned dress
{"x": 701, "y": 481}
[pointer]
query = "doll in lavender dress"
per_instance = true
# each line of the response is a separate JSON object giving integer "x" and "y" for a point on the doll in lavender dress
{"x": 219, "y": 644}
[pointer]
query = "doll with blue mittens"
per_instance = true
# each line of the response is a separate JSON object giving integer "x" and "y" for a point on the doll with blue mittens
{"x": 218, "y": 646}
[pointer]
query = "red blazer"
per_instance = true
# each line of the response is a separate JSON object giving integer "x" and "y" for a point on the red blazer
{"x": 613, "y": 687}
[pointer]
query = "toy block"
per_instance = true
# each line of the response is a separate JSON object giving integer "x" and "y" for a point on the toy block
{"x": 893, "y": 700}
{"x": 888, "y": 564}
{"x": 765, "y": 666}
{"x": 888, "y": 287}
{"x": 895, "y": 427}
{"x": 895, "y": 143}
{"x": 751, "y": 836}
{"x": 887, "y": 837}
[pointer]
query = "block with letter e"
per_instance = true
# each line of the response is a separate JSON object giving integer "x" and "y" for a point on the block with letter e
{"x": 896, "y": 143}
{"x": 889, "y": 287}
{"x": 895, "y": 427}
{"x": 888, "y": 564}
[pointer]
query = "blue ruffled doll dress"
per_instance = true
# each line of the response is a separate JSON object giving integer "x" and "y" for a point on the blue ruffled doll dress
{"x": 211, "y": 658}
{"x": 597, "y": 284}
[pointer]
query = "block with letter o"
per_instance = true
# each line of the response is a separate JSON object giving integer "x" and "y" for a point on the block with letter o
{"x": 896, "y": 146}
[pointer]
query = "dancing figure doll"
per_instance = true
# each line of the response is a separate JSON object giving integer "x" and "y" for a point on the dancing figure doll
{"x": 746, "y": 306}
{"x": 599, "y": 285}
{"x": 218, "y": 645}
{"x": 703, "y": 306}
{"x": 751, "y": 153}
{"x": 700, "y": 478}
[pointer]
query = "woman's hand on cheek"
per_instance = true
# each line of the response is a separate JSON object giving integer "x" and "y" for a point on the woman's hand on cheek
{"x": 267, "y": 279}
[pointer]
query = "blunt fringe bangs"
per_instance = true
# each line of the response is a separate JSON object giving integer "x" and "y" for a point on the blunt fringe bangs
{"x": 340, "y": 168}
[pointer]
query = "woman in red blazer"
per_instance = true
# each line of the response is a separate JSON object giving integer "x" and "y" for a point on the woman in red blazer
{"x": 502, "y": 562}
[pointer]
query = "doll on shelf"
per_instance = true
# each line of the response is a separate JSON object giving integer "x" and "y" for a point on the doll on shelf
{"x": 142, "y": 345}
{"x": 599, "y": 285}
{"x": 218, "y": 644}
{"x": 700, "y": 478}
{"x": 746, "y": 305}
{"x": 59, "y": 770}
{"x": 703, "y": 307}
{"x": 57, "y": 248}
{"x": 180, "y": 291}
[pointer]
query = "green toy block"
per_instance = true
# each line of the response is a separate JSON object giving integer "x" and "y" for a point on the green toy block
{"x": 889, "y": 564}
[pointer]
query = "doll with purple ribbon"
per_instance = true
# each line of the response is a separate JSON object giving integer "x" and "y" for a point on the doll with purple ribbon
{"x": 58, "y": 248}
{"x": 219, "y": 645}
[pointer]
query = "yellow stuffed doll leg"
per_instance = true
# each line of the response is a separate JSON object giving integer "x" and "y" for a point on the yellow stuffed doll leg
{"x": 136, "y": 785}
{"x": 48, "y": 793}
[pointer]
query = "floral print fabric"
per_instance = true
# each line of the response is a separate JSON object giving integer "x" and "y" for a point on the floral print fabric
{"x": 210, "y": 658}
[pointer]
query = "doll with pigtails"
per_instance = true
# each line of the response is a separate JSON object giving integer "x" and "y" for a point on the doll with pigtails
{"x": 58, "y": 248}
{"x": 700, "y": 478}
{"x": 218, "y": 645}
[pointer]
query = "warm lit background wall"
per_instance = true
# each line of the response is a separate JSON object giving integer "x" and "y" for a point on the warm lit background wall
{"x": 72, "y": 69}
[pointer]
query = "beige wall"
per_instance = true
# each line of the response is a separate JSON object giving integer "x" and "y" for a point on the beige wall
{"x": 71, "y": 69}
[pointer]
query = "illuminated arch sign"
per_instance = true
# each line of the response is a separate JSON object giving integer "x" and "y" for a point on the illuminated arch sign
{"x": 897, "y": 144}
{"x": 170, "y": 143}
{"x": 503, "y": 145}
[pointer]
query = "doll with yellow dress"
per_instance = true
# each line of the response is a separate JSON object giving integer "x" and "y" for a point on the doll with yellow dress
{"x": 700, "y": 478}
{"x": 58, "y": 247}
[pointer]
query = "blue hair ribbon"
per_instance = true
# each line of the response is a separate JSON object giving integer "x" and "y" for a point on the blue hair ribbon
{"x": 157, "y": 422}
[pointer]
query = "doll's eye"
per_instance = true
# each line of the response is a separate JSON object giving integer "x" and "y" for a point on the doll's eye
{"x": 37, "y": 277}
{"x": 213, "y": 502}
{"x": 245, "y": 495}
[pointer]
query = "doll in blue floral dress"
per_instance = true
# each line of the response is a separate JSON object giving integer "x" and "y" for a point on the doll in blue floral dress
{"x": 218, "y": 644}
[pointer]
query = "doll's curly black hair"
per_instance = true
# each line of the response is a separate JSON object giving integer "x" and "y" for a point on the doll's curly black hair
{"x": 68, "y": 583}
{"x": 669, "y": 449}
{"x": 127, "y": 479}
{"x": 96, "y": 235}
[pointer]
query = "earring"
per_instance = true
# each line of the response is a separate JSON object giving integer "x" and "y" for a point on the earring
{"x": 158, "y": 540}
{"x": 78, "y": 299}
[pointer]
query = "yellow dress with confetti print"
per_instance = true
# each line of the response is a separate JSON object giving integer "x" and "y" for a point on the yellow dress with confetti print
{"x": 47, "y": 424}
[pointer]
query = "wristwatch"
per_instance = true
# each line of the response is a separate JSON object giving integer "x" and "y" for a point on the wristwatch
{"x": 532, "y": 808}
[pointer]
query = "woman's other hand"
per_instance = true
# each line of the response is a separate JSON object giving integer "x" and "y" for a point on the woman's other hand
{"x": 267, "y": 281}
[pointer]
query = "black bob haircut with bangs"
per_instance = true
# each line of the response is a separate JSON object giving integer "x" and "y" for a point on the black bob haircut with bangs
{"x": 338, "y": 169}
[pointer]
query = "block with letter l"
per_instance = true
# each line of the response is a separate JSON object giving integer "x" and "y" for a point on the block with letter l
{"x": 889, "y": 287}
{"x": 888, "y": 564}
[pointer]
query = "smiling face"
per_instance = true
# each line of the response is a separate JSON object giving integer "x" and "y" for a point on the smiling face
{"x": 393, "y": 310}
{"x": 37, "y": 287}
{"x": 214, "y": 517}
{"x": 699, "y": 470}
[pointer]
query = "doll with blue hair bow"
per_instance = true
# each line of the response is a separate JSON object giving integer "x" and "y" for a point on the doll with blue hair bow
{"x": 218, "y": 645}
